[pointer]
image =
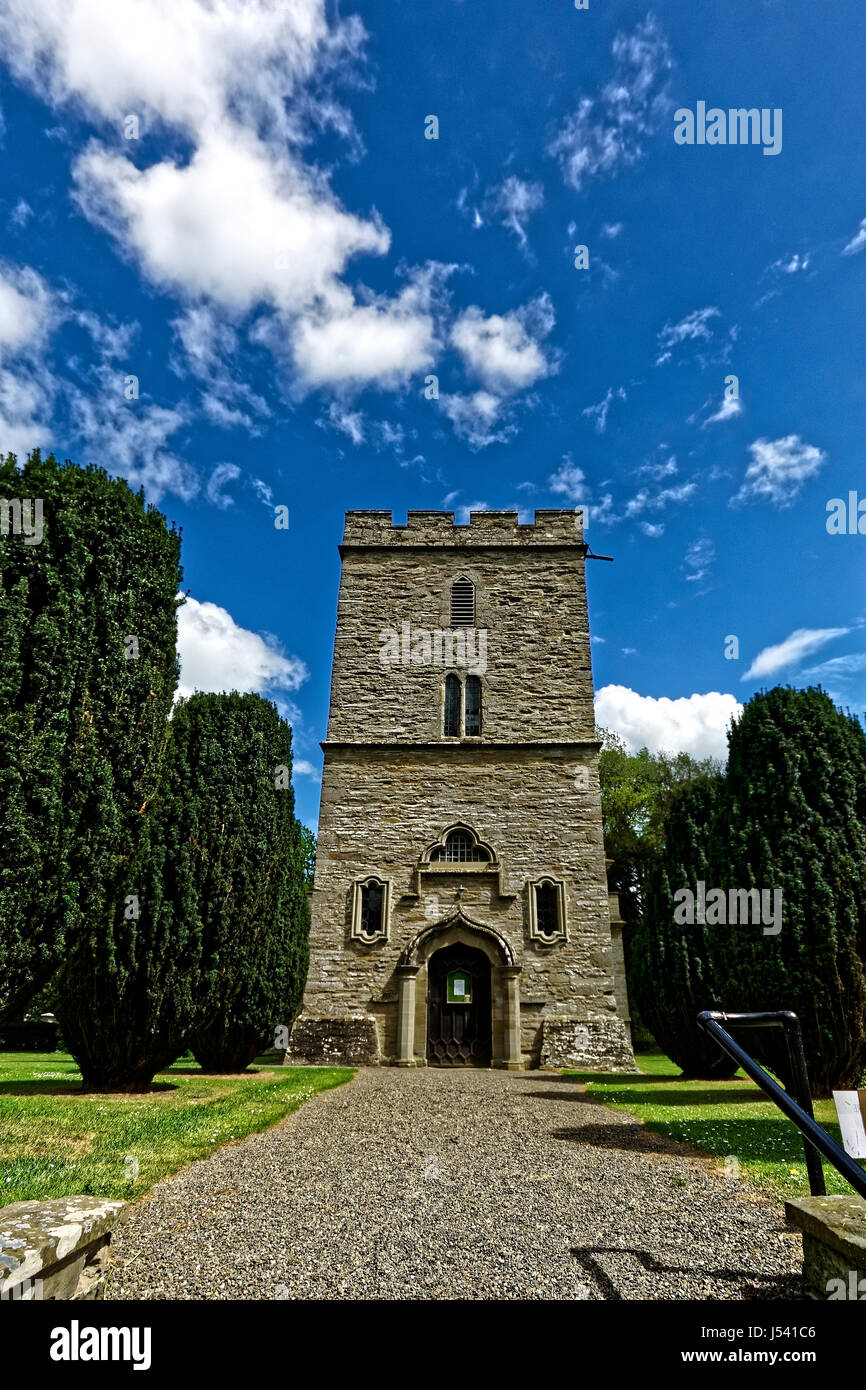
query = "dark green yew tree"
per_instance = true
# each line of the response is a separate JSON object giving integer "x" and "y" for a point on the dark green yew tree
{"x": 232, "y": 765}
{"x": 793, "y": 816}
{"x": 88, "y": 630}
{"x": 671, "y": 969}
{"x": 208, "y": 946}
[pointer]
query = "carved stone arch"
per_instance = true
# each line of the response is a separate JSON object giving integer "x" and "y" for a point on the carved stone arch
{"x": 459, "y": 827}
{"x": 505, "y": 975}
{"x": 458, "y": 927}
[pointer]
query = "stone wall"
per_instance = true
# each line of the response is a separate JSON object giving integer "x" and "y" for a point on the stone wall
{"x": 392, "y": 784}
{"x": 56, "y": 1249}
{"x": 530, "y": 600}
{"x": 834, "y": 1245}
{"x": 330, "y": 1042}
{"x": 599, "y": 1044}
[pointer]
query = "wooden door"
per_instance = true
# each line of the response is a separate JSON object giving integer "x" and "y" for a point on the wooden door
{"x": 459, "y": 1023}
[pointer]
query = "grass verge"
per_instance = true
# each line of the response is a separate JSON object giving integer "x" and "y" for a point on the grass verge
{"x": 57, "y": 1142}
{"x": 729, "y": 1120}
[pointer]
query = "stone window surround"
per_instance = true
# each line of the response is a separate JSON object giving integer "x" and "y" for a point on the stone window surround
{"x": 426, "y": 867}
{"x": 356, "y": 933}
{"x": 461, "y": 672}
{"x": 534, "y": 934}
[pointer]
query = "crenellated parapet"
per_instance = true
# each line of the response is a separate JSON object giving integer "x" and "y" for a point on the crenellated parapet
{"x": 425, "y": 528}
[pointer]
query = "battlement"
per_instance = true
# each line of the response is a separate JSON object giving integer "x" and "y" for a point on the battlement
{"x": 432, "y": 528}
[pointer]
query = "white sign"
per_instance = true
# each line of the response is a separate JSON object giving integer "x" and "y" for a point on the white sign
{"x": 459, "y": 987}
{"x": 850, "y": 1109}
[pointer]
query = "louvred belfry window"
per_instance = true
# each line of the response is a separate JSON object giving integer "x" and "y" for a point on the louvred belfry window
{"x": 462, "y": 603}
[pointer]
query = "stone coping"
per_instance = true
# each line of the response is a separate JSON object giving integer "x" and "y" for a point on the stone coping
{"x": 838, "y": 1222}
{"x": 37, "y": 1237}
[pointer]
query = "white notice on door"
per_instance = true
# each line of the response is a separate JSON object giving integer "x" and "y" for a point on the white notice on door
{"x": 459, "y": 987}
{"x": 850, "y": 1109}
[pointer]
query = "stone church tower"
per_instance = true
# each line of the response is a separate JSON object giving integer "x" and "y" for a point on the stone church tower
{"x": 460, "y": 910}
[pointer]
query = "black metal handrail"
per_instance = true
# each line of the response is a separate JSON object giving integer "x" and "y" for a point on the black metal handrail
{"x": 816, "y": 1141}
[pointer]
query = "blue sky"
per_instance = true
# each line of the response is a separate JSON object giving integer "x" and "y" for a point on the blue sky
{"x": 282, "y": 259}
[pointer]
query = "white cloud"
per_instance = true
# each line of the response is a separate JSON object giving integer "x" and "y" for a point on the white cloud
{"x": 698, "y": 558}
{"x": 222, "y": 475}
{"x": 778, "y": 470}
{"x": 515, "y": 201}
{"x": 21, "y": 213}
{"x": 28, "y": 313}
{"x": 132, "y": 437}
{"x": 351, "y": 344}
{"x": 478, "y": 418}
{"x": 302, "y": 768}
{"x": 857, "y": 242}
{"x": 839, "y": 666}
{"x": 611, "y": 230}
{"x": 217, "y": 655}
{"x": 600, "y": 411}
{"x": 236, "y": 77}
{"x": 694, "y": 724}
{"x": 607, "y": 133}
{"x": 112, "y": 340}
{"x": 665, "y": 468}
{"x": 26, "y": 309}
{"x": 242, "y": 221}
{"x": 184, "y": 62}
{"x": 345, "y": 421}
{"x": 280, "y": 238}
{"x": 729, "y": 409}
{"x": 789, "y": 265}
{"x": 695, "y": 325}
{"x": 792, "y": 651}
{"x": 210, "y": 342}
{"x": 644, "y": 500}
{"x": 569, "y": 481}
{"x": 504, "y": 350}
{"x": 652, "y": 529}
{"x": 263, "y": 491}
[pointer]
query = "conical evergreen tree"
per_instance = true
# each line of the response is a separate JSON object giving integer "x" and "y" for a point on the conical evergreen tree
{"x": 234, "y": 768}
{"x": 209, "y": 950}
{"x": 88, "y": 627}
{"x": 672, "y": 972}
{"x": 793, "y": 816}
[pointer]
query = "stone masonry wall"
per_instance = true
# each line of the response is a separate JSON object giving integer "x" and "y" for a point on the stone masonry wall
{"x": 382, "y": 808}
{"x": 531, "y": 600}
{"x": 528, "y": 786}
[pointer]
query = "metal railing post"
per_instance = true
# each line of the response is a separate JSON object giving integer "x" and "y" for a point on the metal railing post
{"x": 813, "y": 1134}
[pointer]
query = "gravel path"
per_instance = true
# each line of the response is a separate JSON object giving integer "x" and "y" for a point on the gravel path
{"x": 442, "y": 1184}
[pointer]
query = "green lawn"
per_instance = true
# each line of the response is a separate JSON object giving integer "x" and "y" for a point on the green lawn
{"x": 727, "y": 1119}
{"x": 56, "y": 1142}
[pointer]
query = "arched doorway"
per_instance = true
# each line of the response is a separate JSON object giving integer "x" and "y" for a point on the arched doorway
{"x": 459, "y": 1014}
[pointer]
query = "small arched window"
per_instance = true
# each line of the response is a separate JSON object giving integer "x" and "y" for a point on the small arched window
{"x": 371, "y": 899}
{"x": 473, "y": 706}
{"x": 460, "y": 848}
{"x": 372, "y": 905}
{"x": 547, "y": 909}
{"x": 462, "y": 603}
{"x": 452, "y": 707}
